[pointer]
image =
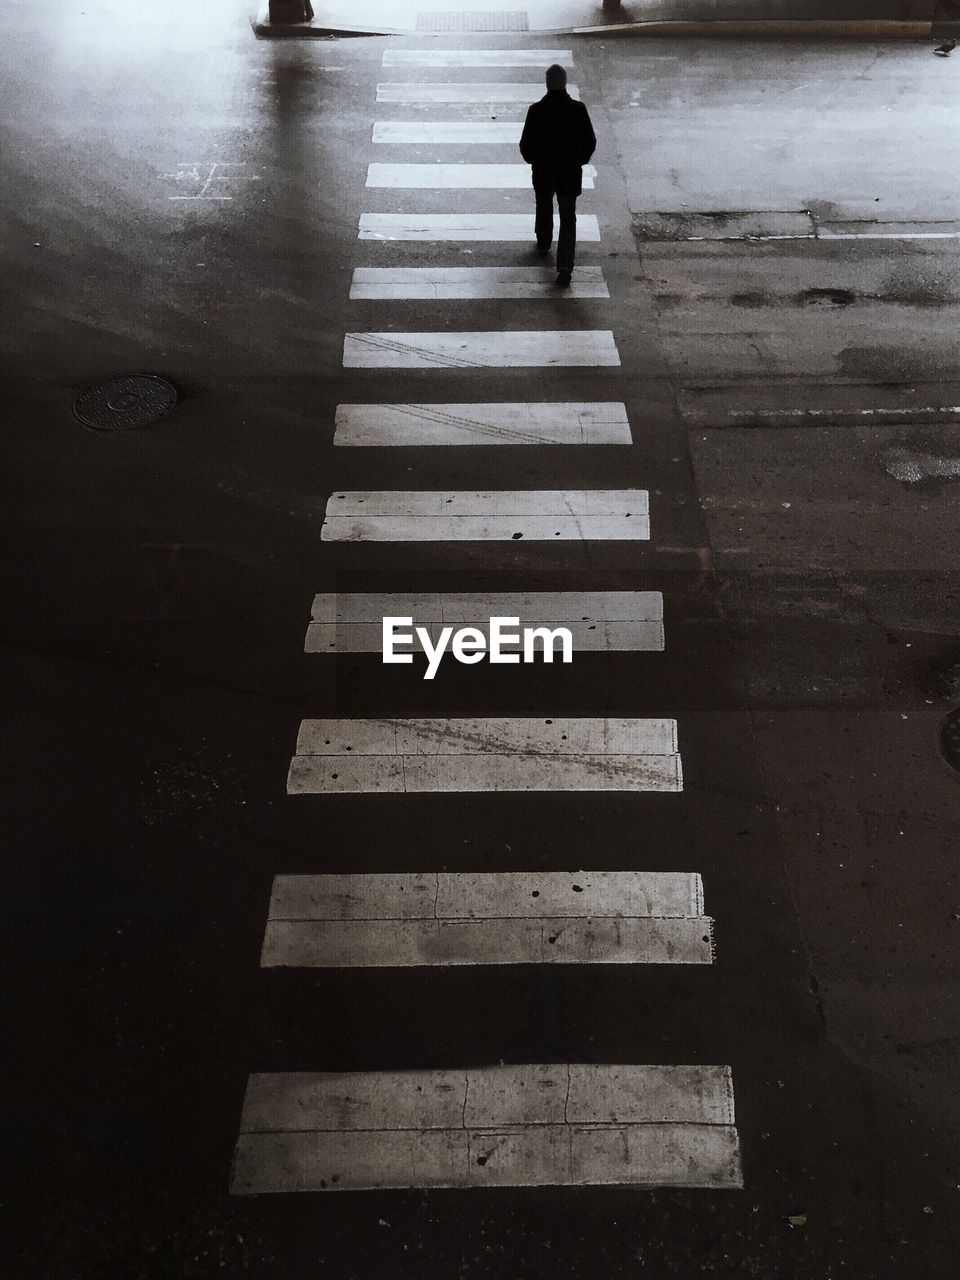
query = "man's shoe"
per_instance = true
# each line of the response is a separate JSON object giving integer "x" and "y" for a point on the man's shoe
{"x": 563, "y": 278}
{"x": 543, "y": 250}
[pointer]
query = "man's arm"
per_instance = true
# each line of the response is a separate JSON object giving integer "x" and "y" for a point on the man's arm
{"x": 589, "y": 137}
{"x": 527, "y": 147}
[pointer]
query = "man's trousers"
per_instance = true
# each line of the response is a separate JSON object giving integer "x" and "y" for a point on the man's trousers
{"x": 567, "y": 240}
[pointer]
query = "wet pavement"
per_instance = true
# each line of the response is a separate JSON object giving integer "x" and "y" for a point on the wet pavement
{"x": 184, "y": 200}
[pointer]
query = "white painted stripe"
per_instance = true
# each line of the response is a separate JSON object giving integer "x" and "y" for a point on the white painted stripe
{"x": 477, "y": 57}
{"x": 397, "y": 775}
{"x": 597, "y": 621}
{"x": 392, "y": 944}
{"x": 448, "y": 132}
{"x": 488, "y": 895}
{"x": 556, "y": 1125}
{"x": 422, "y": 919}
{"x": 397, "y": 756}
{"x": 649, "y": 1155}
{"x": 494, "y": 502}
{"x": 481, "y": 349}
{"x": 823, "y": 234}
{"x": 903, "y": 410}
{"x": 520, "y": 736}
{"x": 461, "y": 609}
{"x": 507, "y": 422}
{"x": 536, "y": 515}
{"x": 528, "y": 1094}
{"x": 463, "y": 226}
{"x": 414, "y": 93}
{"x": 587, "y": 637}
{"x": 888, "y": 235}
{"x": 473, "y": 283}
{"x": 446, "y": 177}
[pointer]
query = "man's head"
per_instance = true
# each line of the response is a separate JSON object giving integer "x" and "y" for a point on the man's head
{"x": 556, "y": 77}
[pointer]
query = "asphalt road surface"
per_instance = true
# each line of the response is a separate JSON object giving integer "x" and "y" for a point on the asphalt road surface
{"x": 757, "y": 366}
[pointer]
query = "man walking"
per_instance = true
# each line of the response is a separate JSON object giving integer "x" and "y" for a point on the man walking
{"x": 557, "y": 140}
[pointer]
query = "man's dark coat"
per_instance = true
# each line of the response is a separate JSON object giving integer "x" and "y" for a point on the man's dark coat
{"x": 557, "y": 140}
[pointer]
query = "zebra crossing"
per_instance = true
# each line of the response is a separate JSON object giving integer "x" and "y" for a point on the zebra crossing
{"x": 471, "y": 284}
{"x": 481, "y": 349}
{"x": 418, "y": 94}
{"x": 502, "y": 516}
{"x": 598, "y": 620}
{"x": 563, "y": 1124}
{"x": 448, "y": 133}
{"x": 502, "y": 422}
{"x": 390, "y": 921}
{"x": 408, "y": 756}
{"x": 441, "y": 177}
{"x": 464, "y": 227}
{"x": 566, "y": 1125}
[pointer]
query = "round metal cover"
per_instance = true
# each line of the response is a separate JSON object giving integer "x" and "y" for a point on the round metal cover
{"x": 950, "y": 739}
{"x": 123, "y": 403}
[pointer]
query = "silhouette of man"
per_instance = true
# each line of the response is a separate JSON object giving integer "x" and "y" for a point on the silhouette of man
{"x": 557, "y": 140}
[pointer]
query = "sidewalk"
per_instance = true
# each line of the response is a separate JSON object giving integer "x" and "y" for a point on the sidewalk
{"x": 854, "y": 18}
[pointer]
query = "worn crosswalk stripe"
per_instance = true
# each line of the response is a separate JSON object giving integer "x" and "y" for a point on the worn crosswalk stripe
{"x": 564, "y": 1124}
{"x": 419, "y": 919}
{"x": 481, "y": 349}
{"x": 503, "y": 422}
{"x": 440, "y": 177}
{"x": 477, "y": 57}
{"x": 448, "y": 132}
{"x": 473, "y": 283}
{"x": 503, "y": 515}
{"x": 493, "y": 754}
{"x": 488, "y": 895}
{"x": 420, "y": 93}
{"x": 604, "y": 621}
{"x": 506, "y": 227}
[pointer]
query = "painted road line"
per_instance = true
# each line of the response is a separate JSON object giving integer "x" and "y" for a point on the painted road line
{"x": 419, "y": 93}
{"x": 422, "y": 919}
{"x": 476, "y": 57}
{"x": 902, "y": 411}
{"x": 473, "y": 283}
{"x": 488, "y": 1097}
{"x": 506, "y": 422}
{"x": 531, "y": 1125}
{"x": 586, "y": 637}
{"x": 617, "y": 620}
{"x": 504, "y": 515}
{"x": 481, "y": 349}
{"x": 488, "y": 895}
{"x": 825, "y": 234}
{"x": 597, "y": 621}
{"x": 448, "y": 132}
{"x": 398, "y": 756}
{"x": 406, "y": 944}
{"x": 447, "y": 177}
{"x": 506, "y": 227}
{"x": 457, "y": 609}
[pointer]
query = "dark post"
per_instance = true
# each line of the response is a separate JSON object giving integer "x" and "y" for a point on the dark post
{"x": 290, "y": 11}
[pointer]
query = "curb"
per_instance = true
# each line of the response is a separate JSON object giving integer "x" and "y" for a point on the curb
{"x": 768, "y": 28}
{"x": 775, "y": 28}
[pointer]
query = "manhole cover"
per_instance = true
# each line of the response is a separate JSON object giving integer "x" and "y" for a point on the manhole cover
{"x": 473, "y": 20}
{"x": 122, "y": 403}
{"x": 950, "y": 739}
